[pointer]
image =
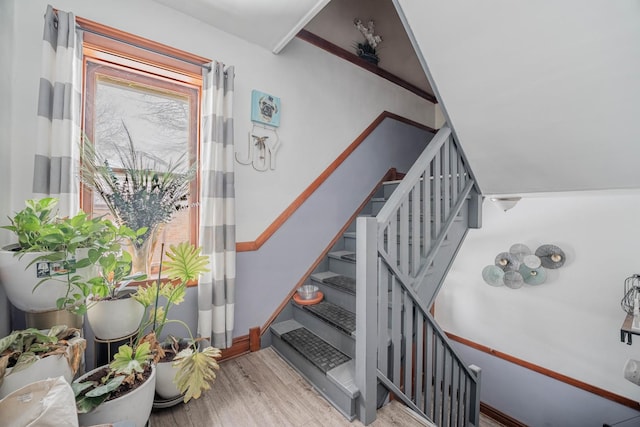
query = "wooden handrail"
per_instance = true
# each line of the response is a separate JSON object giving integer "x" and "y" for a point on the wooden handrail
{"x": 284, "y": 216}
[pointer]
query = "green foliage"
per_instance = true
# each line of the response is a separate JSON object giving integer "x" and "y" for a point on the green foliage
{"x": 90, "y": 394}
{"x": 185, "y": 264}
{"x": 196, "y": 371}
{"x": 129, "y": 360}
{"x": 144, "y": 193}
{"x": 77, "y": 242}
{"x": 22, "y": 348}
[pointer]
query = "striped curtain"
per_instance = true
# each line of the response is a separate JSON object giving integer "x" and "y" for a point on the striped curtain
{"x": 59, "y": 102}
{"x": 216, "y": 289}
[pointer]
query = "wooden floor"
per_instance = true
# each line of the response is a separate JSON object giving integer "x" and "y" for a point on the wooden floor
{"x": 261, "y": 389}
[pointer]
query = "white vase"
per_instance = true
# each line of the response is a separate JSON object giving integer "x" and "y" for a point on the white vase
{"x": 113, "y": 319}
{"x": 165, "y": 387}
{"x": 134, "y": 407}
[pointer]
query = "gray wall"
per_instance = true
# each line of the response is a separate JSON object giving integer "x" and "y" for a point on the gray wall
{"x": 538, "y": 400}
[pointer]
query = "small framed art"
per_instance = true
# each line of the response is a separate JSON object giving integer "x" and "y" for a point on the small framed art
{"x": 265, "y": 108}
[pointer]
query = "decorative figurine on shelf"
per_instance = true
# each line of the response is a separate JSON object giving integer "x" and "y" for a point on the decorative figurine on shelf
{"x": 367, "y": 49}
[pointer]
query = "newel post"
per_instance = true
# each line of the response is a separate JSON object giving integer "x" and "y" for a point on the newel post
{"x": 366, "y": 316}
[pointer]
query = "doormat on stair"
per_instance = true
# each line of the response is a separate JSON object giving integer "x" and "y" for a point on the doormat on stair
{"x": 335, "y": 315}
{"x": 316, "y": 350}
{"x": 347, "y": 284}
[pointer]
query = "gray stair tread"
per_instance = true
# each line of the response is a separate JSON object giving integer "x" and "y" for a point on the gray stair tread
{"x": 285, "y": 326}
{"x": 349, "y": 257}
{"x": 342, "y": 255}
{"x": 350, "y": 234}
{"x": 320, "y": 353}
{"x": 344, "y": 376}
{"x": 344, "y": 283}
{"x": 335, "y": 315}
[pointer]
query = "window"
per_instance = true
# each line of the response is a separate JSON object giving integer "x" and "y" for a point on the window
{"x": 138, "y": 89}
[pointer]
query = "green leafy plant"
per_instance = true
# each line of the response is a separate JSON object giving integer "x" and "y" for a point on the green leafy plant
{"x": 196, "y": 368}
{"x": 128, "y": 366}
{"x": 22, "y": 348}
{"x": 38, "y": 228}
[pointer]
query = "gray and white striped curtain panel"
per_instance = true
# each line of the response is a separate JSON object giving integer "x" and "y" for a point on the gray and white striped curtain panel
{"x": 216, "y": 289}
{"x": 59, "y": 102}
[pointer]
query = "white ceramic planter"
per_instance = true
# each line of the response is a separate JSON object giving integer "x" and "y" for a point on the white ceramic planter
{"x": 48, "y": 367}
{"x": 133, "y": 407}
{"x": 19, "y": 280}
{"x": 113, "y": 319}
{"x": 165, "y": 387}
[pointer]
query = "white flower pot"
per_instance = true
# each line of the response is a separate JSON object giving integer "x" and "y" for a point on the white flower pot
{"x": 133, "y": 407}
{"x": 165, "y": 387}
{"x": 48, "y": 367}
{"x": 113, "y": 319}
{"x": 19, "y": 280}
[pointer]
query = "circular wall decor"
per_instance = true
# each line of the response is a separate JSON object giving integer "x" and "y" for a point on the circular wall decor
{"x": 493, "y": 275}
{"x": 551, "y": 256}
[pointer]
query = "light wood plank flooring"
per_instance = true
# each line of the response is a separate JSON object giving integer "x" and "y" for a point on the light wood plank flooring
{"x": 261, "y": 389}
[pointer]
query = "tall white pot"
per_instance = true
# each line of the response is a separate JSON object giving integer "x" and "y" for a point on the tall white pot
{"x": 133, "y": 407}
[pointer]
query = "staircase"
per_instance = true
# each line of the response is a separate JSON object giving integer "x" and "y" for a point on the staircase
{"x": 372, "y": 333}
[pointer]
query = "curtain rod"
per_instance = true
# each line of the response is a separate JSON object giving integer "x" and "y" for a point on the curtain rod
{"x": 205, "y": 66}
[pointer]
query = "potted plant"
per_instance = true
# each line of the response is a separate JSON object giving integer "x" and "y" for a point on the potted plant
{"x": 31, "y": 355}
{"x": 49, "y": 267}
{"x": 112, "y": 313}
{"x": 122, "y": 390}
{"x": 185, "y": 369}
{"x": 125, "y": 389}
{"x": 143, "y": 192}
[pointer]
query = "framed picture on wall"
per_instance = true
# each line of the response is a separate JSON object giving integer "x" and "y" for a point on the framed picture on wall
{"x": 265, "y": 108}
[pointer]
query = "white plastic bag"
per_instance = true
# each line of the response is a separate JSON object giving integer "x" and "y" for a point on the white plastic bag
{"x": 46, "y": 403}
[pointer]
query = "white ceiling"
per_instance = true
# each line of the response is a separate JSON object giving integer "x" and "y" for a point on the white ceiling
{"x": 267, "y": 23}
{"x": 544, "y": 96}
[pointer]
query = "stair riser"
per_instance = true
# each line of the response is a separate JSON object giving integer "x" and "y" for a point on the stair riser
{"x": 342, "y": 402}
{"x": 344, "y": 267}
{"x": 336, "y": 296}
{"x": 349, "y": 243}
{"x": 327, "y": 332}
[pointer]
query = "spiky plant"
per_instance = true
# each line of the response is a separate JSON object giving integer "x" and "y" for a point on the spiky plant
{"x": 144, "y": 193}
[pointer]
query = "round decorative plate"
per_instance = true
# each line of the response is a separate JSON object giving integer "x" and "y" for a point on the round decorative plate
{"x": 507, "y": 261}
{"x": 533, "y": 276}
{"x": 520, "y": 251}
{"x": 513, "y": 279}
{"x": 493, "y": 275}
{"x": 551, "y": 256}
